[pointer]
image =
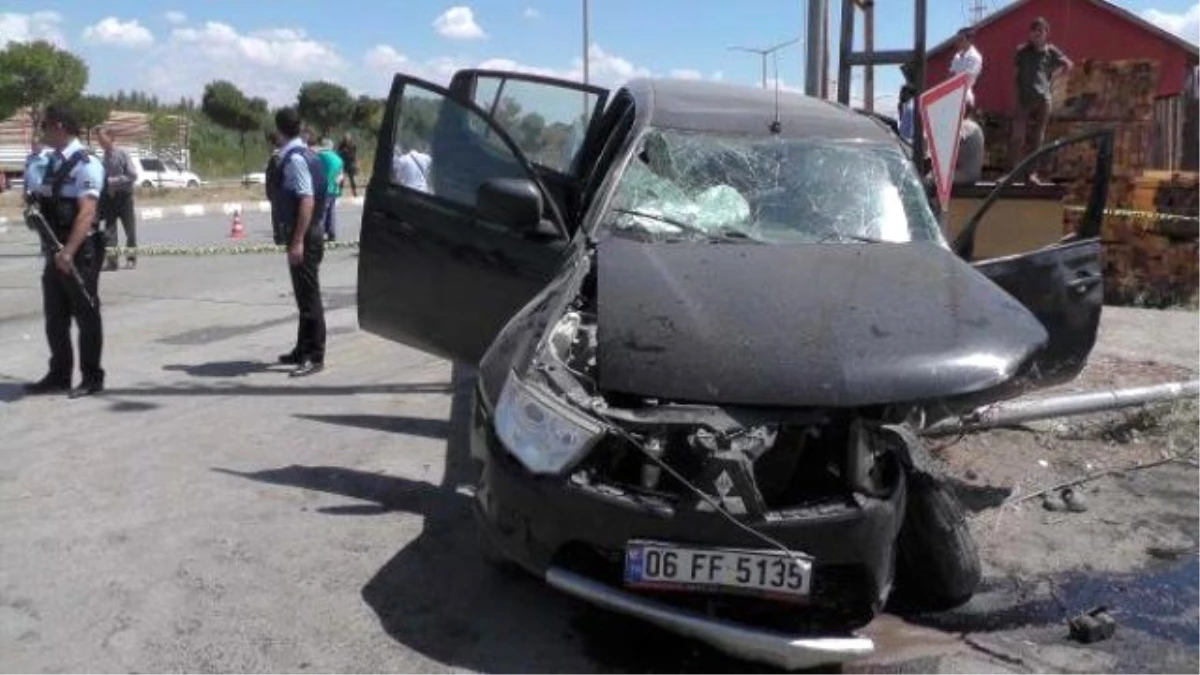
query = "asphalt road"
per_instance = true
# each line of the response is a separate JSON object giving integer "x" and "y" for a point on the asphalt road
{"x": 207, "y": 513}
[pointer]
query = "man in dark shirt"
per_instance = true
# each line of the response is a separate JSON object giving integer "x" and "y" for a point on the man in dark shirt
{"x": 348, "y": 151}
{"x": 1037, "y": 63}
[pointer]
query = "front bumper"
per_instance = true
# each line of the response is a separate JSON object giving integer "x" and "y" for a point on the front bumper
{"x": 777, "y": 649}
{"x": 574, "y": 536}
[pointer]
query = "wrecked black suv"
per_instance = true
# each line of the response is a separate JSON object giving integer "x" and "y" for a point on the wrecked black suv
{"x": 710, "y": 323}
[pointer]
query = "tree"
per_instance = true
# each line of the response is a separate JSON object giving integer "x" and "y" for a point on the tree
{"x": 91, "y": 112}
{"x": 226, "y": 105}
{"x": 325, "y": 104}
{"x": 367, "y": 114}
{"x": 32, "y": 74}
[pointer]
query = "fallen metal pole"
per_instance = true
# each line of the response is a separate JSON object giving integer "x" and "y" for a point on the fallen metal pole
{"x": 1029, "y": 410}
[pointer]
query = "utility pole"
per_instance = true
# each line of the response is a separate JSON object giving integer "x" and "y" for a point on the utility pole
{"x": 586, "y": 40}
{"x": 978, "y": 11}
{"x": 815, "y": 71}
{"x": 764, "y": 53}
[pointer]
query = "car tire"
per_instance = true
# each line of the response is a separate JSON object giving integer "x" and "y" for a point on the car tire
{"x": 937, "y": 562}
{"x": 147, "y": 184}
{"x": 193, "y": 184}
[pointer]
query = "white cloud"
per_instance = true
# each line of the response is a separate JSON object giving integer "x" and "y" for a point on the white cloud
{"x": 176, "y": 18}
{"x": 270, "y": 63}
{"x": 531, "y": 13}
{"x": 112, "y": 31}
{"x": 384, "y": 57}
{"x": 687, "y": 74}
{"x": 607, "y": 69}
{"x": 1184, "y": 24}
{"x": 458, "y": 23}
{"x": 45, "y": 25}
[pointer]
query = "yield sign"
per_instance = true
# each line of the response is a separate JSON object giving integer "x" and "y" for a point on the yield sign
{"x": 941, "y": 114}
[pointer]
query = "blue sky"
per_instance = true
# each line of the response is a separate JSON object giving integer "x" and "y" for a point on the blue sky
{"x": 270, "y": 46}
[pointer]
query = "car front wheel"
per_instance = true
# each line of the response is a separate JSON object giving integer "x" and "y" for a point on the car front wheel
{"x": 937, "y": 562}
{"x": 193, "y": 184}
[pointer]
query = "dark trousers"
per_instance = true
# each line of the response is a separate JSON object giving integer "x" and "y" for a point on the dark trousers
{"x": 306, "y": 286}
{"x": 1028, "y": 132}
{"x": 329, "y": 218}
{"x": 351, "y": 175}
{"x": 62, "y": 301}
{"x": 120, "y": 205}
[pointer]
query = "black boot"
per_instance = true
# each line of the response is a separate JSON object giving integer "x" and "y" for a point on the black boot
{"x": 50, "y": 384}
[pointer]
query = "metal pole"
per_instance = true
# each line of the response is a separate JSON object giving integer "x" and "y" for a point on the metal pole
{"x": 1029, "y": 410}
{"x": 586, "y": 40}
{"x": 869, "y": 47}
{"x": 919, "y": 82}
{"x": 845, "y": 46}
{"x": 812, "y": 62}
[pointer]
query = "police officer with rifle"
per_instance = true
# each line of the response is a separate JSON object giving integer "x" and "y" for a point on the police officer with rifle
{"x": 63, "y": 212}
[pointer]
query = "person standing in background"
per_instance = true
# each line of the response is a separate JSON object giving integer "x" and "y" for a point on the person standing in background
{"x": 333, "y": 175}
{"x": 36, "y": 163}
{"x": 1037, "y": 63}
{"x": 117, "y": 199}
{"x": 967, "y": 59}
{"x": 348, "y": 151}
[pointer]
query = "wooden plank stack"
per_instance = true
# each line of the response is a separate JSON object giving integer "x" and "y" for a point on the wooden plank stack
{"x": 1149, "y": 257}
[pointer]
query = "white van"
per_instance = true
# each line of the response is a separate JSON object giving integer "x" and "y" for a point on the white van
{"x": 155, "y": 172}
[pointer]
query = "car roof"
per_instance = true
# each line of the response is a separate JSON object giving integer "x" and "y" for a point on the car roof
{"x": 720, "y": 107}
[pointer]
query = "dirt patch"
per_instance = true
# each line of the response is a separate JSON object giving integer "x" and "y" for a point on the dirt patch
{"x": 1134, "y": 516}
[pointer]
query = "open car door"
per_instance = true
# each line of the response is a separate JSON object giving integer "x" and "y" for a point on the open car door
{"x": 459, "y": 232}
{"x": 1061, "y": 284}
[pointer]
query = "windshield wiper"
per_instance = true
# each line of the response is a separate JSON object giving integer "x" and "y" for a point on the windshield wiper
{"x": 842, "y": 236}
{"x": 722, "y": 234}
{"x": 663, "y": 219}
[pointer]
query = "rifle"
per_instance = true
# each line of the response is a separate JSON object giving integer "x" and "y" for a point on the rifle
{"x": 37, "y": 222}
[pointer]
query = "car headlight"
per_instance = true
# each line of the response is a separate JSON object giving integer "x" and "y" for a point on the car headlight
{"x": 545, "y": 434}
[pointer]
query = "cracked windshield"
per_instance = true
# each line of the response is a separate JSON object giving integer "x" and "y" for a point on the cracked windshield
{"x": 688, "y": 184}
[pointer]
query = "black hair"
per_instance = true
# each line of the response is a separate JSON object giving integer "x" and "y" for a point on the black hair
{"x": 63, "y": 115}
{"x": 968, "y": 33}
{"x": 287, "y": 121}
{"x": 1040, "y": 22}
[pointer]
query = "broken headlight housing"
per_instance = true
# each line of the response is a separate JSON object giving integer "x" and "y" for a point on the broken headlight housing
{"x": 544, "y": 433}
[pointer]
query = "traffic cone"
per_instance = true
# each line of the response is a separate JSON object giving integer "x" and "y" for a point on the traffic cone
{"x": 238, "y": 232}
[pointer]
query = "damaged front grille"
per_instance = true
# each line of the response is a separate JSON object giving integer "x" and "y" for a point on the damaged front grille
{"x": 764, "y": 469}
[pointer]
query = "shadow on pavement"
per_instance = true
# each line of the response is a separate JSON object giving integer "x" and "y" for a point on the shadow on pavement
{"x": 222, "y": 368}
{"x": 11, "y": 391}
{"x": 284, "y": 389}
{"x": 412, "y": 426}
{"x": 437, "y": 596}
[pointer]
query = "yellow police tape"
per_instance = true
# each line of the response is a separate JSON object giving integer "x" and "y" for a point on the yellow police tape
{"x": 1145, "y": 215}
{"x": 222, "y": 249}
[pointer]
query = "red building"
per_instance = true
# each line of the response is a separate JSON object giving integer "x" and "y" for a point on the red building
{"x": 1083, "y": 29}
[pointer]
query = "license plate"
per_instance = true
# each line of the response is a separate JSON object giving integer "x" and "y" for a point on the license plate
{"x": 664, "y": 566}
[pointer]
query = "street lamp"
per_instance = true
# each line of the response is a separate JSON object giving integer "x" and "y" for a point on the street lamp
{"x": 586, "y": 16}
{"x": 764, "y": 53}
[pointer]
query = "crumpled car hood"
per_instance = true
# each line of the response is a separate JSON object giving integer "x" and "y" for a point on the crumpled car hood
{"x": 802, "y": 325}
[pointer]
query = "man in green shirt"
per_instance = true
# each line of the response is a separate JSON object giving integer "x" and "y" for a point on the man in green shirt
{"x": 333, "y": 172}
{"x": 1037, "y": 63}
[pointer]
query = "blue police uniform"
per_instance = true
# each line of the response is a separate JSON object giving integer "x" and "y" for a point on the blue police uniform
{"x": 71, "y": 174}
{"x": 35, "y": 169}
{"x": 296, "y": 182}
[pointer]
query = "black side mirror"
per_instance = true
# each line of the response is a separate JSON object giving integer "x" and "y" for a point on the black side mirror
{"x": 515, "y": 203}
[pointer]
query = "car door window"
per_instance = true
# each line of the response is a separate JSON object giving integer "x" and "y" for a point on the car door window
{"x": 547, "y": 123}
{"x": 446, "y": 149}
{"x": 152, "y": 165}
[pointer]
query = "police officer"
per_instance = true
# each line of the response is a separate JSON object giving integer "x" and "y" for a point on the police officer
{"x": 68, "y": 197}
{"x": 298, "y": 202}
